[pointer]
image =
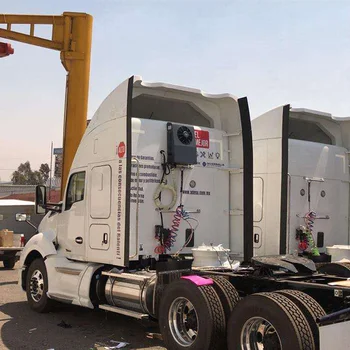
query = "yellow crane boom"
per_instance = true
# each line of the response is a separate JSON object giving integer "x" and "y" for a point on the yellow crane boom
{"x": 71, "y": 35}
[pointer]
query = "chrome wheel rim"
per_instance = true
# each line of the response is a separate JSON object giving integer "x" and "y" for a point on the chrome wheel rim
{"x": 259, "y": 334}
{"x": 183, "y": 321}
{"x": 37, "y": 285}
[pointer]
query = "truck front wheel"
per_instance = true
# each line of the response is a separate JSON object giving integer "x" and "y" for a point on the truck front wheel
{"x": 191, "y": 317}
{"x": 37, "y": 287}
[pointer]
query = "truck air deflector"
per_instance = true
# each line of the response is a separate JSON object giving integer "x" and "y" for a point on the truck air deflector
{"x": 128, "y": 170}
{"x": 284, "y": 180}
{"x": 247, "y": 178}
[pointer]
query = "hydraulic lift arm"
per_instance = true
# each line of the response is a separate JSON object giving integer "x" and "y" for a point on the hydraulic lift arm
{"x": 71, "y": 35}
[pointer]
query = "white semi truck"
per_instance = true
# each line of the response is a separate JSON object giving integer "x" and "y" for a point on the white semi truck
{"x": 301, "y": 178}
{"x": 160, "y": 170}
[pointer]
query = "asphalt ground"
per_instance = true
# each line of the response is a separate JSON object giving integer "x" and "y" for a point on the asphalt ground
{"x": 22, "y": 328}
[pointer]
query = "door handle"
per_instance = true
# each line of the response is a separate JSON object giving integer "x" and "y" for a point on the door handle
{"x": 256, "y": 238}
{"x": 105, "y": 238}
{"x": 79, "y": 240}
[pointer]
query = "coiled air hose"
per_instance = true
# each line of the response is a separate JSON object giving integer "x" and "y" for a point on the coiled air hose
{"x": 164, "y": 185}
{"x": 157, "y": 194}
{"x": 308, "y": 240}
{"x": 180, "y": 214}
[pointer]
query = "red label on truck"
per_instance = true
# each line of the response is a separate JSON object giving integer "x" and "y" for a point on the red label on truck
{"x": 202, "y": 138}
{"x": 121, "y": 149}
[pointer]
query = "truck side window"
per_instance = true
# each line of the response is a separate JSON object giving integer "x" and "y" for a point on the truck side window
{"x": 75, "y": 192}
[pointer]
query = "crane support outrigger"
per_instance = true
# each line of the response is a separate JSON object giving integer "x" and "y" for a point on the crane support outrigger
{"x": 71, "y": 35}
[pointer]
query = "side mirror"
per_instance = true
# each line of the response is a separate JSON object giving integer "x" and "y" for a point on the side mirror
{"x": 22, "y": 217}
{"x": 40, "y": 200}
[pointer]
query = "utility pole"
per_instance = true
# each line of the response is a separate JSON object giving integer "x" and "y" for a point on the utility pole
{"x": 50, "y": 170}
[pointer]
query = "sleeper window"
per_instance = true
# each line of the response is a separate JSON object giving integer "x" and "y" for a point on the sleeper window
{"x": 75, "y": 192}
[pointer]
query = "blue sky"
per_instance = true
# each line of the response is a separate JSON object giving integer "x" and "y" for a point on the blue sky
{"x": 273, "y": 52}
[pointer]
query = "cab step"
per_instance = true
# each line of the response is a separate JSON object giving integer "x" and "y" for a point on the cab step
{"x": 125, "y": 312}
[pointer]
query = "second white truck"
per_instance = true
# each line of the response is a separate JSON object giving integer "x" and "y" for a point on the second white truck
{"x": 301, "y": 179}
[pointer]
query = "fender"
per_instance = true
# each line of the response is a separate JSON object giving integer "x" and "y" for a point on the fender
{"x": 42, "y": 243}
{"x": 198, "y": 280}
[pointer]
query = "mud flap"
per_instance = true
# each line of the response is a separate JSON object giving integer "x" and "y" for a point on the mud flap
{"x": 335, "y": 336}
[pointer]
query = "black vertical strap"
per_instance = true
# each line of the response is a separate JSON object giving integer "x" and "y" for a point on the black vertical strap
{"x": 247, "y": 179}
{"x": 128, "y": 172}
{"x": 181, "y": 185}
{"x": 284, "y": 180}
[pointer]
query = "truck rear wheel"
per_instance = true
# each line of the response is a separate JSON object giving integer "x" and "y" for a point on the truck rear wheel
{"x": 191, "y": 317}
{"x": 268, "y": 321}
{"x": 336, "y": 269}
{"x": 310, "y": 307}
{"x": 37, "y": 287}
{"x": 227, "y": 293}
{"x": 9, "y": 263}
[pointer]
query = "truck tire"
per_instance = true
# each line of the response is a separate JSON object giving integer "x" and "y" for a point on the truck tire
{"x": 336, "y": 269}
{"x": 227, "y": 293}
{"x": 37, "y": 287}
{"x": 311, "y": 309}
{"x": 269, "y": 321}
{"x": 186, "y": 308}
{"x": 9, "y": 263}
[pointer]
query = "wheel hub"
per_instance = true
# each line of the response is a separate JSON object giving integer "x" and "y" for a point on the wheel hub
{"x": 183, "y": 321}
{"x": 259, "y": 334}
{"x": 36, "y": 285}
{"x": 271, "y": 341}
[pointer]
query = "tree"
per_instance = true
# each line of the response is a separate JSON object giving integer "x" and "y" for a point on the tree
{"x": 24, "y": 175}
{"x": 44, "y": 171}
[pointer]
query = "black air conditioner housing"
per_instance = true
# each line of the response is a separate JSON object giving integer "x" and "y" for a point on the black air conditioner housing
{"x": 181, "y": 144}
